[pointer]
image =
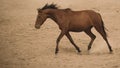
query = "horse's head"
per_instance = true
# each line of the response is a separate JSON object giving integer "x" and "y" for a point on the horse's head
{"x": 41, "y": 17}
{"x": 43, "y": 14}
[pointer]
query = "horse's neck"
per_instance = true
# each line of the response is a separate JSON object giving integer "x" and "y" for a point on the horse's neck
{"x": 54, "y": 19}
{"x": 53, "y": 15}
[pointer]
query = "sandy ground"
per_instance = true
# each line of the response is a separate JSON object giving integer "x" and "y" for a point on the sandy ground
{"x": 22, "y": 46}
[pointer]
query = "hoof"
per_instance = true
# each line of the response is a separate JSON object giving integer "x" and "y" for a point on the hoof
{"x": 78, "y": 50}
{"x": 79, "y": 53}
{"x": 111, "y": 52}
{"x": 56, "y": 52}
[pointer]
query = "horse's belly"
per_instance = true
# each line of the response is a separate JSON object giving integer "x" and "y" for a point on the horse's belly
{"x": 76, "y": 29}
{"x": 79, "y": 28}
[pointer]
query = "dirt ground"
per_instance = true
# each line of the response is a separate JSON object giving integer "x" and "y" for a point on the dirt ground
{"x": 23, "y": 46}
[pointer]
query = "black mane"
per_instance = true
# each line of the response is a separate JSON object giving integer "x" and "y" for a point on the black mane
{"x": 51, "y": 6}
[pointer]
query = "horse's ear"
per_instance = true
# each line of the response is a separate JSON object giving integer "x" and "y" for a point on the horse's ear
{"x": 46, "y": 5}
{"x": 53, "y": 4}
{"x": 39, "y": 10}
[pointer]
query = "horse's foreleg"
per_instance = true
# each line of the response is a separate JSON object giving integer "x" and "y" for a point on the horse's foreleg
{"x": 71, "y": 40}
{"x": 58, "y": 40}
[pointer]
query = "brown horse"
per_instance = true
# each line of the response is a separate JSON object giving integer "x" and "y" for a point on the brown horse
{"x": 75, "y": 21}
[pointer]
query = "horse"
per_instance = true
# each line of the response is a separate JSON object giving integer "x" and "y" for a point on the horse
{"x": 72, "y": 21}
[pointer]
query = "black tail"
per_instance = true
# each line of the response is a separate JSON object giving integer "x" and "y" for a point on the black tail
{"x": 103, "y": 28}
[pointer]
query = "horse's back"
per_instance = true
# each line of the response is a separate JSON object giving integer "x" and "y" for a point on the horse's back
{"x": 83, "y": 19}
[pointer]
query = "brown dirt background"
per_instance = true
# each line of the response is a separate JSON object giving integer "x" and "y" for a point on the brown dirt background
{"x": 22, "y": 46}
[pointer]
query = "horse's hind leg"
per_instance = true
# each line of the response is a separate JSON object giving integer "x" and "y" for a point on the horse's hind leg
{"x": 110, "y": 49}
{"x": 103, "y": 34}
{"x": 92, "y": 36}
{"x": 71, "y": 40}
